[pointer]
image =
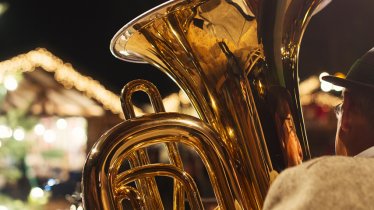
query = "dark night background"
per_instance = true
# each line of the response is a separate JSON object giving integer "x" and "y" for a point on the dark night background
{"x": 79, "y": 32}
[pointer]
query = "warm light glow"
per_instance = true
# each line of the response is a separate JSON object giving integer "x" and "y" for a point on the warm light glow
{"x": 93, "y": 151}
{"x": 231, "y": 133}
{"x": 36, "y": 192}
{"x": 73, "y": 207}
{"x": 171, "y": 103}
{"x": 79, "y": 133}
{"x": 339, "y": 74}
{"x": 49, "y": 136}
{"x": 19, "y": 134}
{"x": 309, "y": 85}
{"x": 124, "y": 52}
{"x": 5, "y": 131}
{"x": 338, "y": 88}
{"x": 39, "y": 129}
{"x": 65, "y": 74}
{"x": 322, "y": 98}
{"x": 3, "y": 207}
{"x": 61, "y": 124}
{"x": 261, "y": 88}
{"x": 183, "y": 98}
{"x": 3, "y": 7}
{"x": 10, "y": 83}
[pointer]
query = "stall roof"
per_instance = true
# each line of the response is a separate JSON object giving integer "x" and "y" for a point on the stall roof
{"x": 52, "y": 87}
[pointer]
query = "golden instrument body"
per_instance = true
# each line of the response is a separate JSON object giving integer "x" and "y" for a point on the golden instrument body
{"x": 227, "y": 56}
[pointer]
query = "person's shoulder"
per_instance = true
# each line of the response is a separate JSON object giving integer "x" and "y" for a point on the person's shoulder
{"x": 328, "y": 182}
{"x": 340, "y": 167}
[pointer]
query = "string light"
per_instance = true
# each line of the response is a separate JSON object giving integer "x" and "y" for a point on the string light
{"x": 65, "y": 74}
{"x": 19, "y": 134}
{"x": 49, "y": 136}
{"x": 39, "y": 129}
{"x": 36, "y": 193}
{"x": 61, "y": 124}
{"x": 10, "y": 83}
{"x": 5, "y": 131}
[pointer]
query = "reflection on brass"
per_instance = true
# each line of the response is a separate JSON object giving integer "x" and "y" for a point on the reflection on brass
{"x": 285, "y": 126}
{"x": 226, "y": 56}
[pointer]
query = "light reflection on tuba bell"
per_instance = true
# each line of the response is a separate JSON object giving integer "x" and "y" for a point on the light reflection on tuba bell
{"x": 231, "y": 58}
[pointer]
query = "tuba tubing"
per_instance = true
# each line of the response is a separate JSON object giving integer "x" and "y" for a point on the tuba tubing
{"x": 103, "y": 187}
{"x": 238, "y": 63}
{"x": 100, "y": 182}
{"x": 156, "y": 102}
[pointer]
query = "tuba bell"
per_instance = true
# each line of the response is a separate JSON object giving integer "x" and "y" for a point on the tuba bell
{"x": 237, "y": 61}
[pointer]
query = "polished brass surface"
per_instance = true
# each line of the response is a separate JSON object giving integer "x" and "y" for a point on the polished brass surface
{"x": 237, "y": 61}
{"x": 104, "y": 187}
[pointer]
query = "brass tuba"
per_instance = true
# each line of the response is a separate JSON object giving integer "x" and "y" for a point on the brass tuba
{"x": 237, "y": 61}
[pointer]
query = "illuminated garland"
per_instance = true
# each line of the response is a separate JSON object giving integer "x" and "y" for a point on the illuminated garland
{"x": 65, "y": 74}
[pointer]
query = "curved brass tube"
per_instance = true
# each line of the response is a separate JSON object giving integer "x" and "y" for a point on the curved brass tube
{"x": 101, "y": 168}
{"x": 131, "y": 194}
{"x": 148, "y": 185}
{"x": 170, "y": 170}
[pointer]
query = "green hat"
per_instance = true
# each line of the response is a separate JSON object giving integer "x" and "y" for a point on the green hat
{"x": 360, "y": 76}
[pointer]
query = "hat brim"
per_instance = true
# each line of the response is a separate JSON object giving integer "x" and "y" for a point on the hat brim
{"x": 346, "y": 83}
